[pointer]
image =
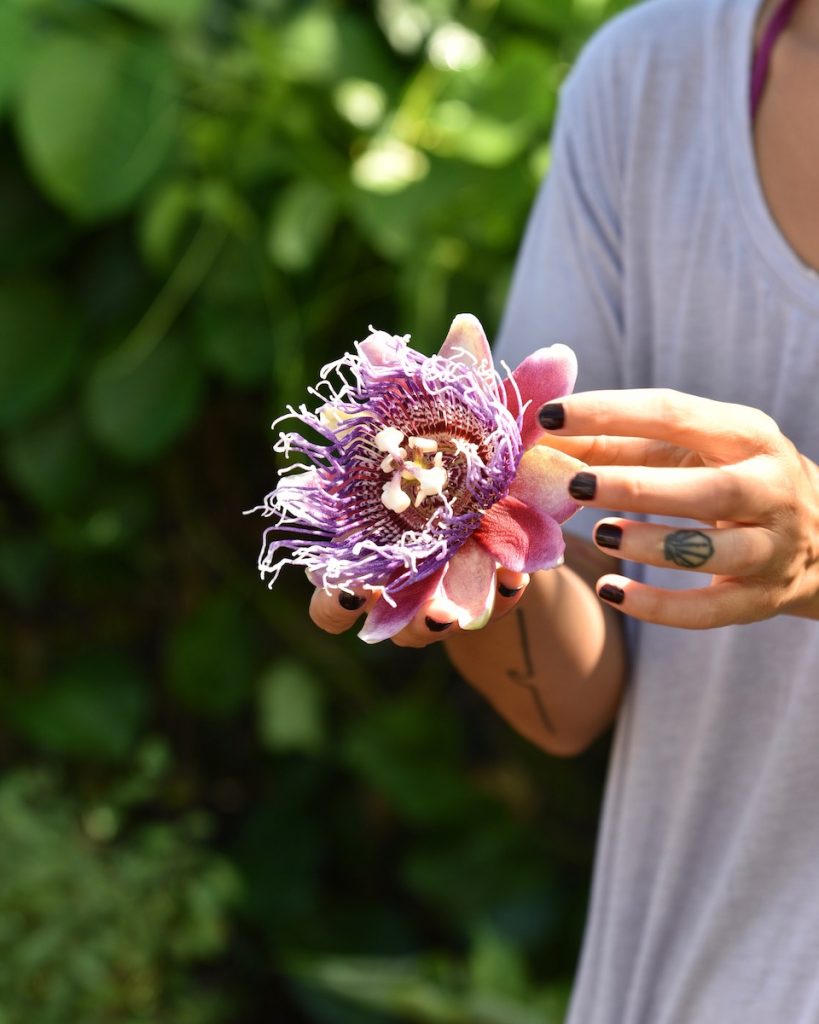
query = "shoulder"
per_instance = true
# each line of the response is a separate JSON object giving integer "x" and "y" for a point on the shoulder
{"x": 652, "y": 43}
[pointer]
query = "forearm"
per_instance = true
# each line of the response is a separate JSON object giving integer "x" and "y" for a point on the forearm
{"x": 555, "y": 666}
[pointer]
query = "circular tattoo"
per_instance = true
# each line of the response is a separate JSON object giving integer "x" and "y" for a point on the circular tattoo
{"x": 688, "y": 548}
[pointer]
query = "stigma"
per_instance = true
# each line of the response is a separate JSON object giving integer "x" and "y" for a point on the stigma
{"x": 415, "y": 467}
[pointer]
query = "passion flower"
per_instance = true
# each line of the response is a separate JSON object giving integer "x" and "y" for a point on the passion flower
{"x": 424, "y": 475}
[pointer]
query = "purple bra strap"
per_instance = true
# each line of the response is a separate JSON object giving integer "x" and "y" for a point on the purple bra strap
{"x": 762, "y": 57}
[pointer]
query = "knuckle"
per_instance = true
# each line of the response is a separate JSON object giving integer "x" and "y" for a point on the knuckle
{"x": 731, "y": 490}
{"x": 670, "y": 405}
{"x": 765, "y": 430}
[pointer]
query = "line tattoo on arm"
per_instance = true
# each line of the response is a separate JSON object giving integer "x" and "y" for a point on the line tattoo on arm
{"x": 688, "y": 548}
{"x": 529, "y": 671}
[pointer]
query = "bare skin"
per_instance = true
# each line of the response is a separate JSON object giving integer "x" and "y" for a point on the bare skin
{"x": 786, "y": 139}
{"x": 552, "y": 659}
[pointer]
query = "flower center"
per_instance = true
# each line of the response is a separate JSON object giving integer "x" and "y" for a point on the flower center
{"x": 415, "y": 469}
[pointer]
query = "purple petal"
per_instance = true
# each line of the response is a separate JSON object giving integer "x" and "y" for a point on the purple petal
{"x": 542, "y": 481}
{"x": 385, "y": 621}
{"x": 520, "y": 537}
{"x": 469, "y": 585}
{"x": 542, "y": 376}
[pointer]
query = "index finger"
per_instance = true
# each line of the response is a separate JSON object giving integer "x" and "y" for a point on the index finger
{"x": 720, "y": 429}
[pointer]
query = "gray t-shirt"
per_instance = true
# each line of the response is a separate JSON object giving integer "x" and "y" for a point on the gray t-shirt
{"x": 652, "y": 253}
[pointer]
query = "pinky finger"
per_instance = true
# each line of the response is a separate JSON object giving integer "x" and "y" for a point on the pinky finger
{"x": 722, "y": 604}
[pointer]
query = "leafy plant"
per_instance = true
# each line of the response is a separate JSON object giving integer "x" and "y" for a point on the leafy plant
{"x": 201, "y": 202}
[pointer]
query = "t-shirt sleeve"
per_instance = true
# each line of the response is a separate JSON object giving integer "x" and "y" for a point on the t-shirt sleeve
{"x": 568, "y": 280}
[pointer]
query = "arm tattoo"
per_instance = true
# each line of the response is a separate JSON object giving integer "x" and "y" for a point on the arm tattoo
{"x": 522, "y": 677}
{"x": 688, "y": 548}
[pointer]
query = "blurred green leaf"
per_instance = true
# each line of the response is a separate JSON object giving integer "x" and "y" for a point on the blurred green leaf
{"x": 14, "y": 48}
{"x": 24, "y": 564}
{"x": 427, "y": 990}
{"x": 97, "y": 118}
{"x": 209, "y": 658}
{"x": 166, "y": 13}
{"x": 51, "y": 463}
{"x": 138, "y": 405}
{"x": 92, "y": 710}
{"x": 290, "y": 708}
{"x": 310, "y": 45}
{"x": 408, "y": 751}
{"x": 236, "y": 342}
{"x": 166, "y": 215}
{"x": 300, "y": 224}
{"x": 556, "y": 16}
{"x": 497, "y": 966}
{"x": 33, "y": 231}
{"x": 39, "y": 347}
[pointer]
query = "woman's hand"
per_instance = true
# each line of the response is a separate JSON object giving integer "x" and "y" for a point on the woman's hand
{"x": 336, "y": 611}
{"x": 728, "y": 466}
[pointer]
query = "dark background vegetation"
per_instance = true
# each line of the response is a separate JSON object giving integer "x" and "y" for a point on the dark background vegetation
{"x": 209, "y": 811}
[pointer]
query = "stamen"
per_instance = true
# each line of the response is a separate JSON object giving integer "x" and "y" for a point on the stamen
{"x": 423, "y": 444}
{"x": 393, "y": 496}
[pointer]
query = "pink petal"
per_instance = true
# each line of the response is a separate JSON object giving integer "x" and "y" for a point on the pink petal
{"x": 382, "y": 349}
{"x": 469, "y": 585}
{"x": 542, "y": 376}
{"x": 542, "y": 481}
{"x": 466, "y": 342}
{"x": 385, "y": 621}
{"x": 520, "y": 537}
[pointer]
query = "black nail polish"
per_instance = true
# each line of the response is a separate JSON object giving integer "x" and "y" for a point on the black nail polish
{"x": 611, "y": 593}
{"x": 505, "y": 591}
{"x": 436, "y": 627}
{"x": 350, "y": 602}
{"x": 607, "y": 535}
{"x": 583, "y": 486}
{"x": 552, "y": 416}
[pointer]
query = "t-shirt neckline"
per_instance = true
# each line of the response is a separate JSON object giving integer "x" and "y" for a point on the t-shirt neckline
{"x": 771, "y": 244}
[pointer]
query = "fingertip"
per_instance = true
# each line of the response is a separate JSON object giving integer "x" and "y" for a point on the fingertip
{"x": 612, "y": 589}
{"x": 510, "y": 584}
{"x": 335, "y": 611}
{"x": 552, "y": 416}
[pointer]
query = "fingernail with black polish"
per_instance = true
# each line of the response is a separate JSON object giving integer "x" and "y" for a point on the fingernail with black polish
{"x": 436, "y": 627}
{"x": 607, "y": 535}
{"x": 505, "y": 591}
{"x": 611, "y": 593}
{"x": 350, "y": 602}
{"x": 552, "y": 416}
{"x": 583, "y": 486}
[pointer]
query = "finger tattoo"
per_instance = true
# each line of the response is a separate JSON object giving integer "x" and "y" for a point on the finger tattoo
{"x": 688, "y": 548}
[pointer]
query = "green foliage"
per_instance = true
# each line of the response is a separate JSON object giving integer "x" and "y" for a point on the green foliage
{"x": 99, "y": 927}
{"x": 202, "y": 201}
{"x": 96, "y": 118}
